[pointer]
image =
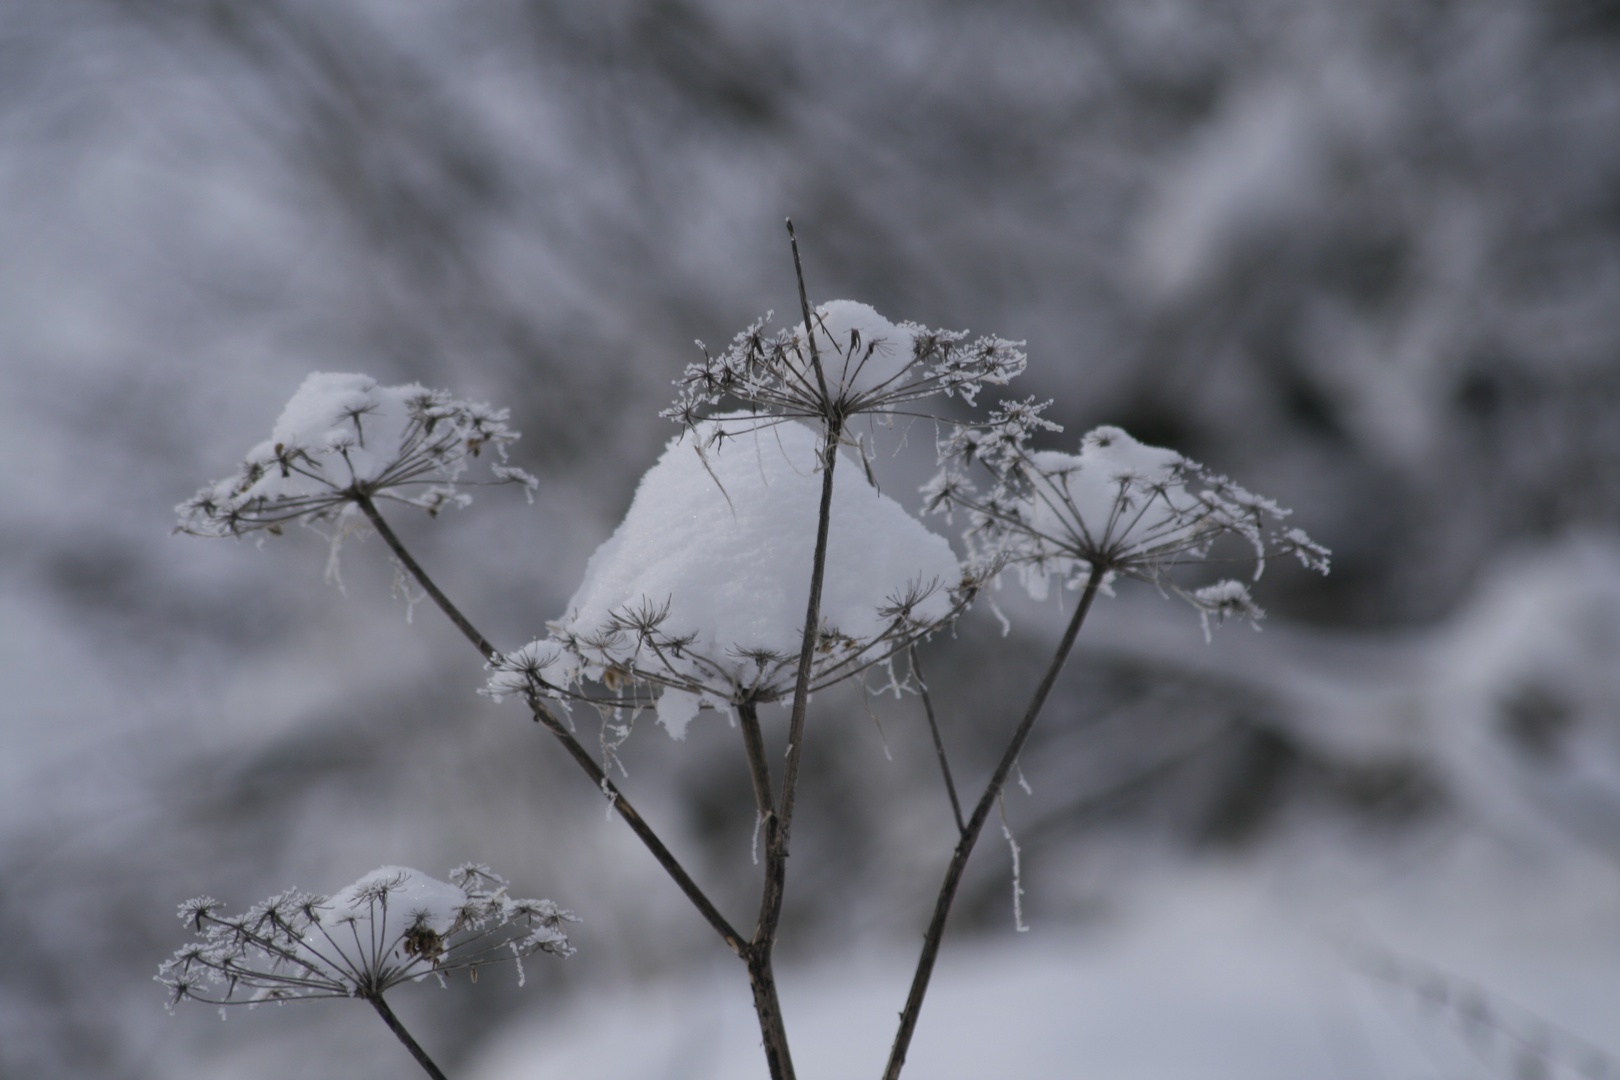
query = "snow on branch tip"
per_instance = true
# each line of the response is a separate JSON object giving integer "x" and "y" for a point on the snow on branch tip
{"x": 1118, "y": 505}
{"x": 344, "y": 437}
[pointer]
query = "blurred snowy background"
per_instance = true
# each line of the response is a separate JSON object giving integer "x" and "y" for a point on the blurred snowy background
{"x": 1364, "y": 258}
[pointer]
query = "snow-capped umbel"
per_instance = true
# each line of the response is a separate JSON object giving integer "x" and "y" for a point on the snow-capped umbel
{"x": 408, "y": 898}
{"x": 344, "y": 433}
{"x": 1118, "y": 506}
{"x": 869, "y": 365}
{"x": 394, "y": 925}
{"x": 703, "y": 587}
{"x": 860, "y": 350}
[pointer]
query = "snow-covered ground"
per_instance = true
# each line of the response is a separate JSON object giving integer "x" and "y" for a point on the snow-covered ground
{"x": 1474, "y": 959}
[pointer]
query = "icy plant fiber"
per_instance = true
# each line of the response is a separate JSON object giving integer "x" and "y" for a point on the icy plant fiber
{"x": 344, "y": 436}
{"x": 393, "y": 925}
{"x": 702, "y": 589}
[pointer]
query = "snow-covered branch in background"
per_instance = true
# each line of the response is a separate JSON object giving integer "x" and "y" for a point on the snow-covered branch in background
{"x": 342, "y": 437}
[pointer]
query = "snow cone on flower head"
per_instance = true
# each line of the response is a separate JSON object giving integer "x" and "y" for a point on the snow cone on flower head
{"x": 699, "y": 596}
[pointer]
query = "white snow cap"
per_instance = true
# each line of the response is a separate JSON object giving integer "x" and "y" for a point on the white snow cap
{"x": 412, "y": 899}
{"x": 860, "y": 349}
{"x": 403, "y": 443}
{"x": 330, "y": 414}
{"x": 726, "y": 538}
{"x": 1085, "y": 501}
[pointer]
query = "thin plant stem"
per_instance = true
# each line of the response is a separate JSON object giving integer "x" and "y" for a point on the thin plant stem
{"x": 761, "y": 976}
{"x": 975, "y": 825}
{"x": 778, "y": 820}
{"x": 773, "y": 1033}
{"x": 576, "y": 750}
{"x": 369, "y": 508}
{"x": 404, "y": 1036}
{"x": 759, "y": 768}
{"x": 638, "y": 825}
{"x": 939, "y": 744}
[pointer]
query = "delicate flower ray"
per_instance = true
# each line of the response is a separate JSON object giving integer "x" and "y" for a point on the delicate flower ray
{"x": 392, "y": 926}
{"x": 867, "y": 366}
{"x": 342, "y": 437}
{"x": 1130, "y": 509}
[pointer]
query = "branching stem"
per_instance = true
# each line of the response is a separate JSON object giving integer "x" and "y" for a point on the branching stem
{"x": 975, "y": 825}
{"x": 939, "y": 744}
{"x": 552, "y": 723}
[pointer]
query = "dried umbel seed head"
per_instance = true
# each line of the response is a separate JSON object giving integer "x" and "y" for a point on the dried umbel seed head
{"x": 393, "y": 925}
{"x": 342, "y": 437}
{"x": 698, "y": 599}
{"x": 1118, "y": 507}
{"x": 860, "y": 363}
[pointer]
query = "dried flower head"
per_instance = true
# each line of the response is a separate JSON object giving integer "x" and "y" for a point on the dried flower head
{"x": 860, "y": 363}
{"x": 699, "y": 596}
{"x": 343, "y": 436}
{"x": 393, "y": 925}
{"x": 1117, "y": 506}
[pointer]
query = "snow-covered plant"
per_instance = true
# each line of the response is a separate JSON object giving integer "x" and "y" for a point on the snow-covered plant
{"x": 699, "y": 594}
{"x": 394, "y": 925}
{"x": 1117, "y": 507}
{"x": 343, "y": 440}
{"x": 742, "y": 574}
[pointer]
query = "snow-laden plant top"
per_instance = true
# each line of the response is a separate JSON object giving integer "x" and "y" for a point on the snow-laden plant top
{"x": 1118, "y": 506}
{"x": 853, "y": 361}
{"x": 749, "y": 568}
{"x": 701, "y": 591}
{"x": 344, "y": 437}
{"x": 392, "y": 926}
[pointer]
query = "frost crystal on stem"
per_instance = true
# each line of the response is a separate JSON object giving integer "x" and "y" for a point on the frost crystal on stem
{"x": 343, "y": 436}
{"x": 1118, "y": 505}
{"x": 392, "y": 926}
{"x": 699, "y": 595}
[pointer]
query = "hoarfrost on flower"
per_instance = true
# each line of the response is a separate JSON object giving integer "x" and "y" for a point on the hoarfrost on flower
{"x": 702, "y": 589}
{"x": 393, "y": 925}
{"x": 344, "y": 436}
{"x": 1118, "y": 506}
{"x": 867, "y": 364}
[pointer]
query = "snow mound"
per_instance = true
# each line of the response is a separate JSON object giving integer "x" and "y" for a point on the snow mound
{"x": 396, "y": 897}
{"x": 716, "y": 551}
{"x": 860, "y": 350}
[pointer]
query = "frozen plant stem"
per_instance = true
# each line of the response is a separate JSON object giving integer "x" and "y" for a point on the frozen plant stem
{"x": 975, "y": 825}
{"x": 582, "y": 756}
{"x": 404, "y": 1036}
{"x": 369, "y": 508}
{"x": 939, "y": 744}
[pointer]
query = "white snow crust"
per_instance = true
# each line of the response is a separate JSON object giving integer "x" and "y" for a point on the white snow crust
{"x": 860, "y": 349}
{"x": 413, "y": 899}
{"x": 726, "y": 539}
{"x": 330, "y": 417}
{"x": 1080, "y": 498}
